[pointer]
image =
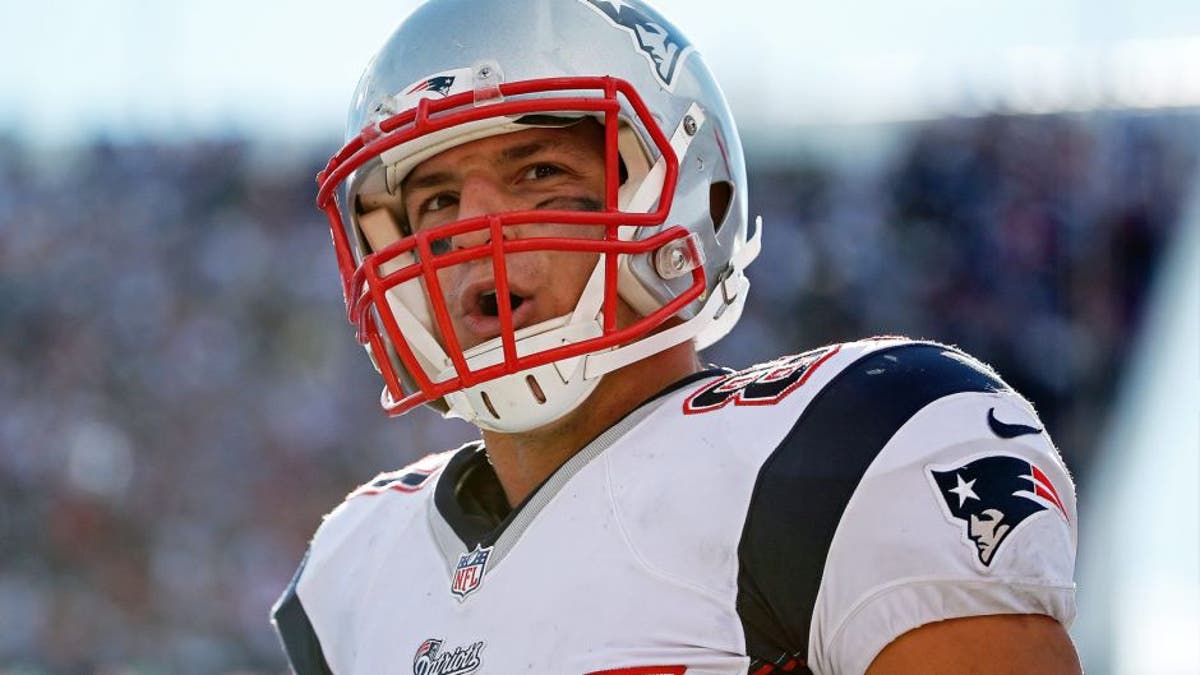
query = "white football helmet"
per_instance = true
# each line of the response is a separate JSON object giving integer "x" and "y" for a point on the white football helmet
{"x": 674, "y": 224}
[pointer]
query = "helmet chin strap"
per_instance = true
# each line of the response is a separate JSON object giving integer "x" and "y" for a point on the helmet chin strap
{"x": 716, "y": 318}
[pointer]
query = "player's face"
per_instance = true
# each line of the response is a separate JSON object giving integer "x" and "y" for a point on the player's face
{"x": 550, "y": 168}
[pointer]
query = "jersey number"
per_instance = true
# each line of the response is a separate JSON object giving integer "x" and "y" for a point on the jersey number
{"x": 765, "y": 384}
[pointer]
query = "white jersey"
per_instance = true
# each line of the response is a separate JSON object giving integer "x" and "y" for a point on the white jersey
{"x": 799, "y": 514}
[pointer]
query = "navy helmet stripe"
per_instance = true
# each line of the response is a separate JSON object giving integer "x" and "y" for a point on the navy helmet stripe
{"x": 803, "y": 488}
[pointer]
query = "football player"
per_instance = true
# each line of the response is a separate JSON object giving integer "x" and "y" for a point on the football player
{"x": 540, "y": 217}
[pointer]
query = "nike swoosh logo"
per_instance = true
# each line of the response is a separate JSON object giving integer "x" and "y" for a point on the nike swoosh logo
{"x": 1004, "y": 430}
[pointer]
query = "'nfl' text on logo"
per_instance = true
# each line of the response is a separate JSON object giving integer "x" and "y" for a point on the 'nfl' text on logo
{"x": 470, "y": 570}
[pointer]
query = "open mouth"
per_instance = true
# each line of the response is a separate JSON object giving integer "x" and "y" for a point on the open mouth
{"x": 481, "y": 313}
{"x": 489, "y": 303}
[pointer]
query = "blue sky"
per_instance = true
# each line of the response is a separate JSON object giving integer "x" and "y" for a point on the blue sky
{"x": 276, "y": 68}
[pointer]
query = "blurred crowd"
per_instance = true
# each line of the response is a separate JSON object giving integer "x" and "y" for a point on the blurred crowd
{"x": 182, "y": 398}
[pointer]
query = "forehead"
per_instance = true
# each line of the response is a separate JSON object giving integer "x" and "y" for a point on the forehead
{"x": 583, "y": 140}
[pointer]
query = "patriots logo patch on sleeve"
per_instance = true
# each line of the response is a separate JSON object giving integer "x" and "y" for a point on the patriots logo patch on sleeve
{"x": 991, "y": 497}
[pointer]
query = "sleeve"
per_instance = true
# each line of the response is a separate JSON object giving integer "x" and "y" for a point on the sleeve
{"x": 916, "y": 487}
{"x": 314, "y": 616}
{"x": 300, "y": 641}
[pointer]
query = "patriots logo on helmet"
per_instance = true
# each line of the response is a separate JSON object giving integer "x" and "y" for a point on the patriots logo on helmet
{"x": 659, "y": 41}
{"x": 439, "y": 84}
{"x": 992, "y": 496}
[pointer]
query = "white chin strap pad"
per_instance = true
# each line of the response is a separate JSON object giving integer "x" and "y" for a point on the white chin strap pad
{"x": 531, "y": 398}
{"x": 522, "y": 401}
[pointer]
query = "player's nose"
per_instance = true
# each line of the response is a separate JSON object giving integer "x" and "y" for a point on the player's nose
{"x": 481, "y": 196}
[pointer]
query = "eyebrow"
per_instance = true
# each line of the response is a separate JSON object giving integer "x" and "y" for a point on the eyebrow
{"x": 429, "y": 180}
{"x": 527, "y": 150}
{"x": 514, "y": 154}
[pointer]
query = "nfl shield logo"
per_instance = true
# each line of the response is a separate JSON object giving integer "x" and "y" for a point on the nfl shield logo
{"x": 469, "y": 573}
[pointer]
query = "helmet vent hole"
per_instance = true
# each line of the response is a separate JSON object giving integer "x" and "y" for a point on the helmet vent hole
{"x": 535, "y": 388}
{"x": 720, "y": 198}
{"x": 488, "y": 403}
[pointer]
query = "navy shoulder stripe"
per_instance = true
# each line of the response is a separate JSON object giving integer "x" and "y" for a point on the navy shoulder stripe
{"x": 804, "y": 486}
{"x": 300, "y": 641}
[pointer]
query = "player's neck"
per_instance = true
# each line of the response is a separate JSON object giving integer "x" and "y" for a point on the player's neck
{"x": 523, "y": 461}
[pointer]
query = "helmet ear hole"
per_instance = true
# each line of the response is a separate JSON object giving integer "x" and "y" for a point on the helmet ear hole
{"x": 720, "y": 197}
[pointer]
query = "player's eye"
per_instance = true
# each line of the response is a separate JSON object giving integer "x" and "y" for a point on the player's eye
{"x": 438, "y": 202}
{"x": 541, "y": 171}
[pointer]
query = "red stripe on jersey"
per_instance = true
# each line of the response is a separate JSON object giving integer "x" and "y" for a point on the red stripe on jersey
{"x": 768, "y": 668}
{"x": 645, "y": 670}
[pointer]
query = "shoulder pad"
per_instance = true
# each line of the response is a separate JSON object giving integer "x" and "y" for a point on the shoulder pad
{"x": 804, "y": 486}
